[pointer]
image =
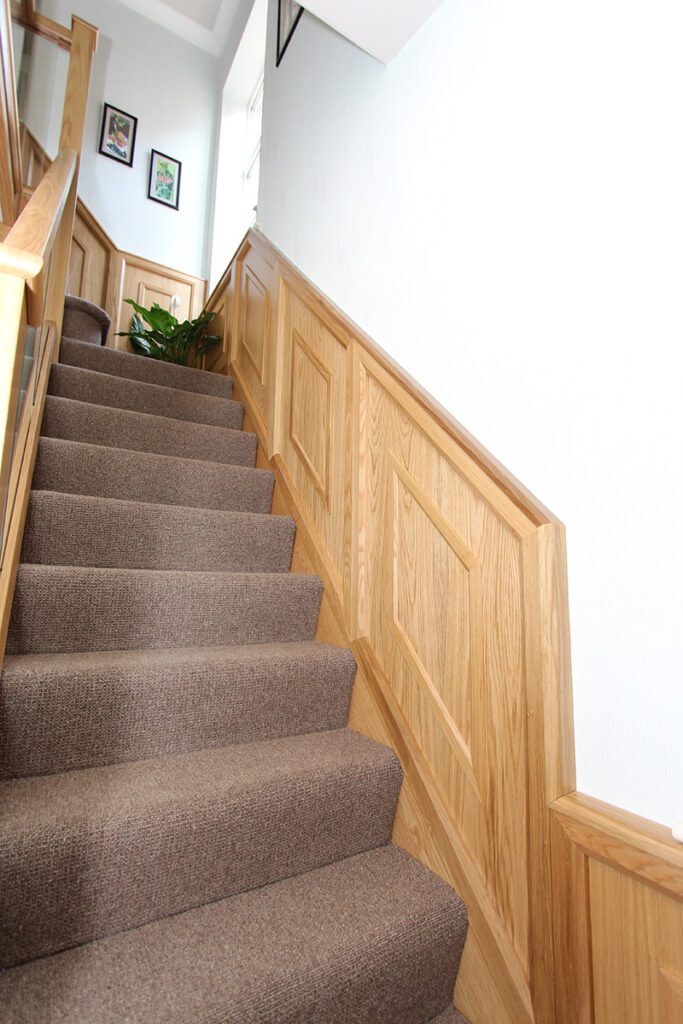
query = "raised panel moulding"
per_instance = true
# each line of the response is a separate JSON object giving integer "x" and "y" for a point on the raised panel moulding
{"x": 254, "y": 322}
{"x": 446, "y": 566}
{"x": 310, "y": 416}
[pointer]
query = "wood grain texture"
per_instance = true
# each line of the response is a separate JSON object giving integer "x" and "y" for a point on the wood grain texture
{"x": 10, "y": 139}
{"x": 435, "y": 573}
{"x": 448, "y": 582}
{"x": 34, "y": 266}
{"x": 637, "y": 936}
{"x": 634, "y": 845}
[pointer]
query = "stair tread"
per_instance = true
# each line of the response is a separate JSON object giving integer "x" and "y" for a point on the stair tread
{"x": 72, "y": 608}
{"x": 99, "y": 471}
{"x": 110, "y": 391}
{"x": 66, "y": 711}
{"x": 181, "y": 831}
{"x": 84, "y": 530}
{"x": 72, "y": 420}
{"x": 126, "y": 364}
{"x": 375, "y": 938}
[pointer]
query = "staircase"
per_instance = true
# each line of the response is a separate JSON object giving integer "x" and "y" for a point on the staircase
{"x": 189, "y": 832}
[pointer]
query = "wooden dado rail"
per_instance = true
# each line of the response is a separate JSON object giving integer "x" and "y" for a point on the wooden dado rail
{"x": 101, "y": 272}
{"x": 447, "y": 579}
{"x": 34, "y": 262}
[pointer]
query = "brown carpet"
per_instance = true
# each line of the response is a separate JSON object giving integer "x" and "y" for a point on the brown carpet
{"x": 189, "y": 833}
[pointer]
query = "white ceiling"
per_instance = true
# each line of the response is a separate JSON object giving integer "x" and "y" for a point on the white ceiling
{"x": 380, "y": 27}
{"x": 205, "y": 23}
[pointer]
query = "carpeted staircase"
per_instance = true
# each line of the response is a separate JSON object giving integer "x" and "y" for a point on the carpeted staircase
{"x": 188, "y": 830}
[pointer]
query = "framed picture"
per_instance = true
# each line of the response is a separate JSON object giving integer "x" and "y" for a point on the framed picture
{"x": 164, "y": 179}
{"x": 288, "y": 17}
{"x": 117, "y": 138}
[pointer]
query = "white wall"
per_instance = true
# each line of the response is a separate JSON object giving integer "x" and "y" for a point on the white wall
{"x": 40, "y": 70}
{"x": 502, "y": 210}
{"x": 173, "y": 88}
{"x": 234, "y": 207}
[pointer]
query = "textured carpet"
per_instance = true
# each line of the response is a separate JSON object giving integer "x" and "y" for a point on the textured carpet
{"x": 189, "y": 832}
{"x": 137, "y": 396}
{"x": 140, "y": 476}
{"x": 123, "y": 364}
{"x": 373, "y": 939}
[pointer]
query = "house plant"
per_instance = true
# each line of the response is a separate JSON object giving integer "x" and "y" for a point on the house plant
{"x": 156, "y": 333}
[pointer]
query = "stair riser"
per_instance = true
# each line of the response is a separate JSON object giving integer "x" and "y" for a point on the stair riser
{"x": 74, "y": 530}
{"x": 135, "y": 367}
{"x": 76, "y": 468}
{"x": 136, "y": 431}
{"x": 375, "y": 939}
{"x": 58, "y": 716}
{"x": 62, "y": 609}
{"x": 135, "y": 396}
{"x": 159, "y": 856}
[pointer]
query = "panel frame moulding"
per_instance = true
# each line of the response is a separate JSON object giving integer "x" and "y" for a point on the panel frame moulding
{"x": 472, "y": 777}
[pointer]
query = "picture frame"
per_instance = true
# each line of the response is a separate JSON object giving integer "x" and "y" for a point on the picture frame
{"x": 117, "y": 135}
{"x": 164, "y": 179}
{"x": 288, "y": 17}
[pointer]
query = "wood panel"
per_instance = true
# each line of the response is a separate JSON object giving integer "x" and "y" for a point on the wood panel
{"x": 254, "y": 345}
{"x": 313, "y": 429}
{"x": 90, "y": 259}
{"x": 448, "y": 582}
{"x": 218, "y": 358}
{"x": 637, "y": 933}
{"x": 34, "y": 266}
{"x": 147, "y": 282}
{"x": 437, "y": 568}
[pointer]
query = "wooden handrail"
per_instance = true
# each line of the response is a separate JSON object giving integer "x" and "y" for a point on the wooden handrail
{"x": 25, "y": 14}
{"x": 30, "y": 240}
{"x": 34, "y": 266}
{"x": 10, "y": 162}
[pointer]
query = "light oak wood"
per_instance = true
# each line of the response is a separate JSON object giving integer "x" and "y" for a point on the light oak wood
{"x": 10, "y": 143}
{"x": 448, "y": 582}
{"x": 637, "y": 934}
{"x": 26, "y": 14}
{"x": 34, "y": 263}
{"x": 147, "y": 282}
{"x": 635, "y": 845}
{"x": 492, "y": 979}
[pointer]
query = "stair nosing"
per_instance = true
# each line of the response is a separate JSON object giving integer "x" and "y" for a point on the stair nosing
{"x": 143, "y": 383}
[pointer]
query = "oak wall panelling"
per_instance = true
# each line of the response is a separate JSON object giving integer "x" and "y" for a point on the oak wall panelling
{"x": 448, "y": 582}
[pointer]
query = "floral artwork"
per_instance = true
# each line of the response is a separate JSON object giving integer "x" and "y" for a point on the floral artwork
{"x": 164, "y": 179}
{"x": 117, "y": 137}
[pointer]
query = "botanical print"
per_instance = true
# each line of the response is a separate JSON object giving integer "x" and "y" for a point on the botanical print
{"x": 164, "y": 179}
{"x": 117, "y": 138}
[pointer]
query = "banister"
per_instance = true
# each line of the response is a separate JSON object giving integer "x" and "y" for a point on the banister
{"x": 10, "y": 164}
{"x": 30, "y": 240}
{"x": 25, "y": 14}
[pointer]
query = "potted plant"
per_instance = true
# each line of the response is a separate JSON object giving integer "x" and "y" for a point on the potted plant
{"x": 156, "y": 333}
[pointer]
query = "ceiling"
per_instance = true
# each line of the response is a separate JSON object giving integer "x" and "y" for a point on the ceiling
{"x": 205, "y": 23}
{"x": 381, "y": 28}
